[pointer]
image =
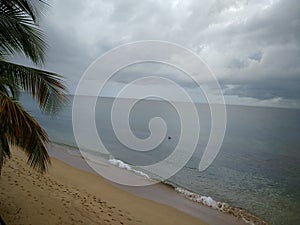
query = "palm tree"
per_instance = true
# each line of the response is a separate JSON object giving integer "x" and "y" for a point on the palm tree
{"x": 20, "y": 34}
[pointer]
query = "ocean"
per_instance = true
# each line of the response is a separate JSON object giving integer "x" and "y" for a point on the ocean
{"x": 257, "y": 168}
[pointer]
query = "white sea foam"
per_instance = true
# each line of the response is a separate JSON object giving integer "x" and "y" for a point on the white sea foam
{"x": 73, "y": 152}
{"x": 248, "y": 221}
{"x": 122, "y": 165}
{"x": 205, "y": 200}
{"x": 223, "y": 207}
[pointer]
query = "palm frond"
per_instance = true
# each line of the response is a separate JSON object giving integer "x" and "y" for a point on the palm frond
{"x": 10, "y": 87}
{"x": 20, "y": 129}
{"x": 19, "y": 31}
{"x": 4, "y": 150}
{"x": 31, "y": 8}
{"x": 44, "y": 86}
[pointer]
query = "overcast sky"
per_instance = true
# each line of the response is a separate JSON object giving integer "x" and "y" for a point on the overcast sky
{"x": 253, "y": 47}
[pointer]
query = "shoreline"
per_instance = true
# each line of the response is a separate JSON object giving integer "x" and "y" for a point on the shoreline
{"x": 162, "y": 193}
{"x": 69, "y": 169}
{"x": 66, "y": 195}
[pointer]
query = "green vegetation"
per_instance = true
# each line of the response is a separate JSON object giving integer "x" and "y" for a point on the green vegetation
{"x": 20, "y": 34}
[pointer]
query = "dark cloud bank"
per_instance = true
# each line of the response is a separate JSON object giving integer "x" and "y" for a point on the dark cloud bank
{"x": 253, "y": 47}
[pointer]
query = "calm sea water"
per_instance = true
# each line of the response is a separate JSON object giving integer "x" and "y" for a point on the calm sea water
{"x": 258, "y": 167}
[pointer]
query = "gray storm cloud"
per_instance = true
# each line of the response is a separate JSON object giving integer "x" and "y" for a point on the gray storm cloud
{"x": 253, "y": 47}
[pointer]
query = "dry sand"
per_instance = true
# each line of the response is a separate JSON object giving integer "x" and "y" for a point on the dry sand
{"x": 66, "y": 195}
{"x": 159, "y": 192}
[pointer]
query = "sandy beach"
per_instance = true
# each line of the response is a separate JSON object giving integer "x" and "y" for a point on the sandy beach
{"x": 67, "y": 195}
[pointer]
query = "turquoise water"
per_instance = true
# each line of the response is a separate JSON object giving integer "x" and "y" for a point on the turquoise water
{"x": 258, "y": 167}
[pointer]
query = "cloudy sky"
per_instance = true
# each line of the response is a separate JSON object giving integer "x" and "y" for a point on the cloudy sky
{"x": 253, "y": 47}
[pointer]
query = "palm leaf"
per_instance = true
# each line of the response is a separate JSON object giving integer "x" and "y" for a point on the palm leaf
{"x": 20, "y": 129}
{"x": 4, "y": 149}
{"x": 31, "y": 8}
{"x": 44, "y": 86}
{"x": 19, "y": 31}
{"x": 9, "y": 87}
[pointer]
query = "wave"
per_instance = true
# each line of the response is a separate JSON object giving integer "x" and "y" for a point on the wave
{"x": 123, "y": 165}
{"x": 222, "y": 207}
{"x": 204, "y": 200}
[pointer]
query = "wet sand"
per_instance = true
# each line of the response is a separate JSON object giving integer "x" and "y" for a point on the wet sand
{"x": 160, "y": 193}
{"x": 66, "y": 195}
